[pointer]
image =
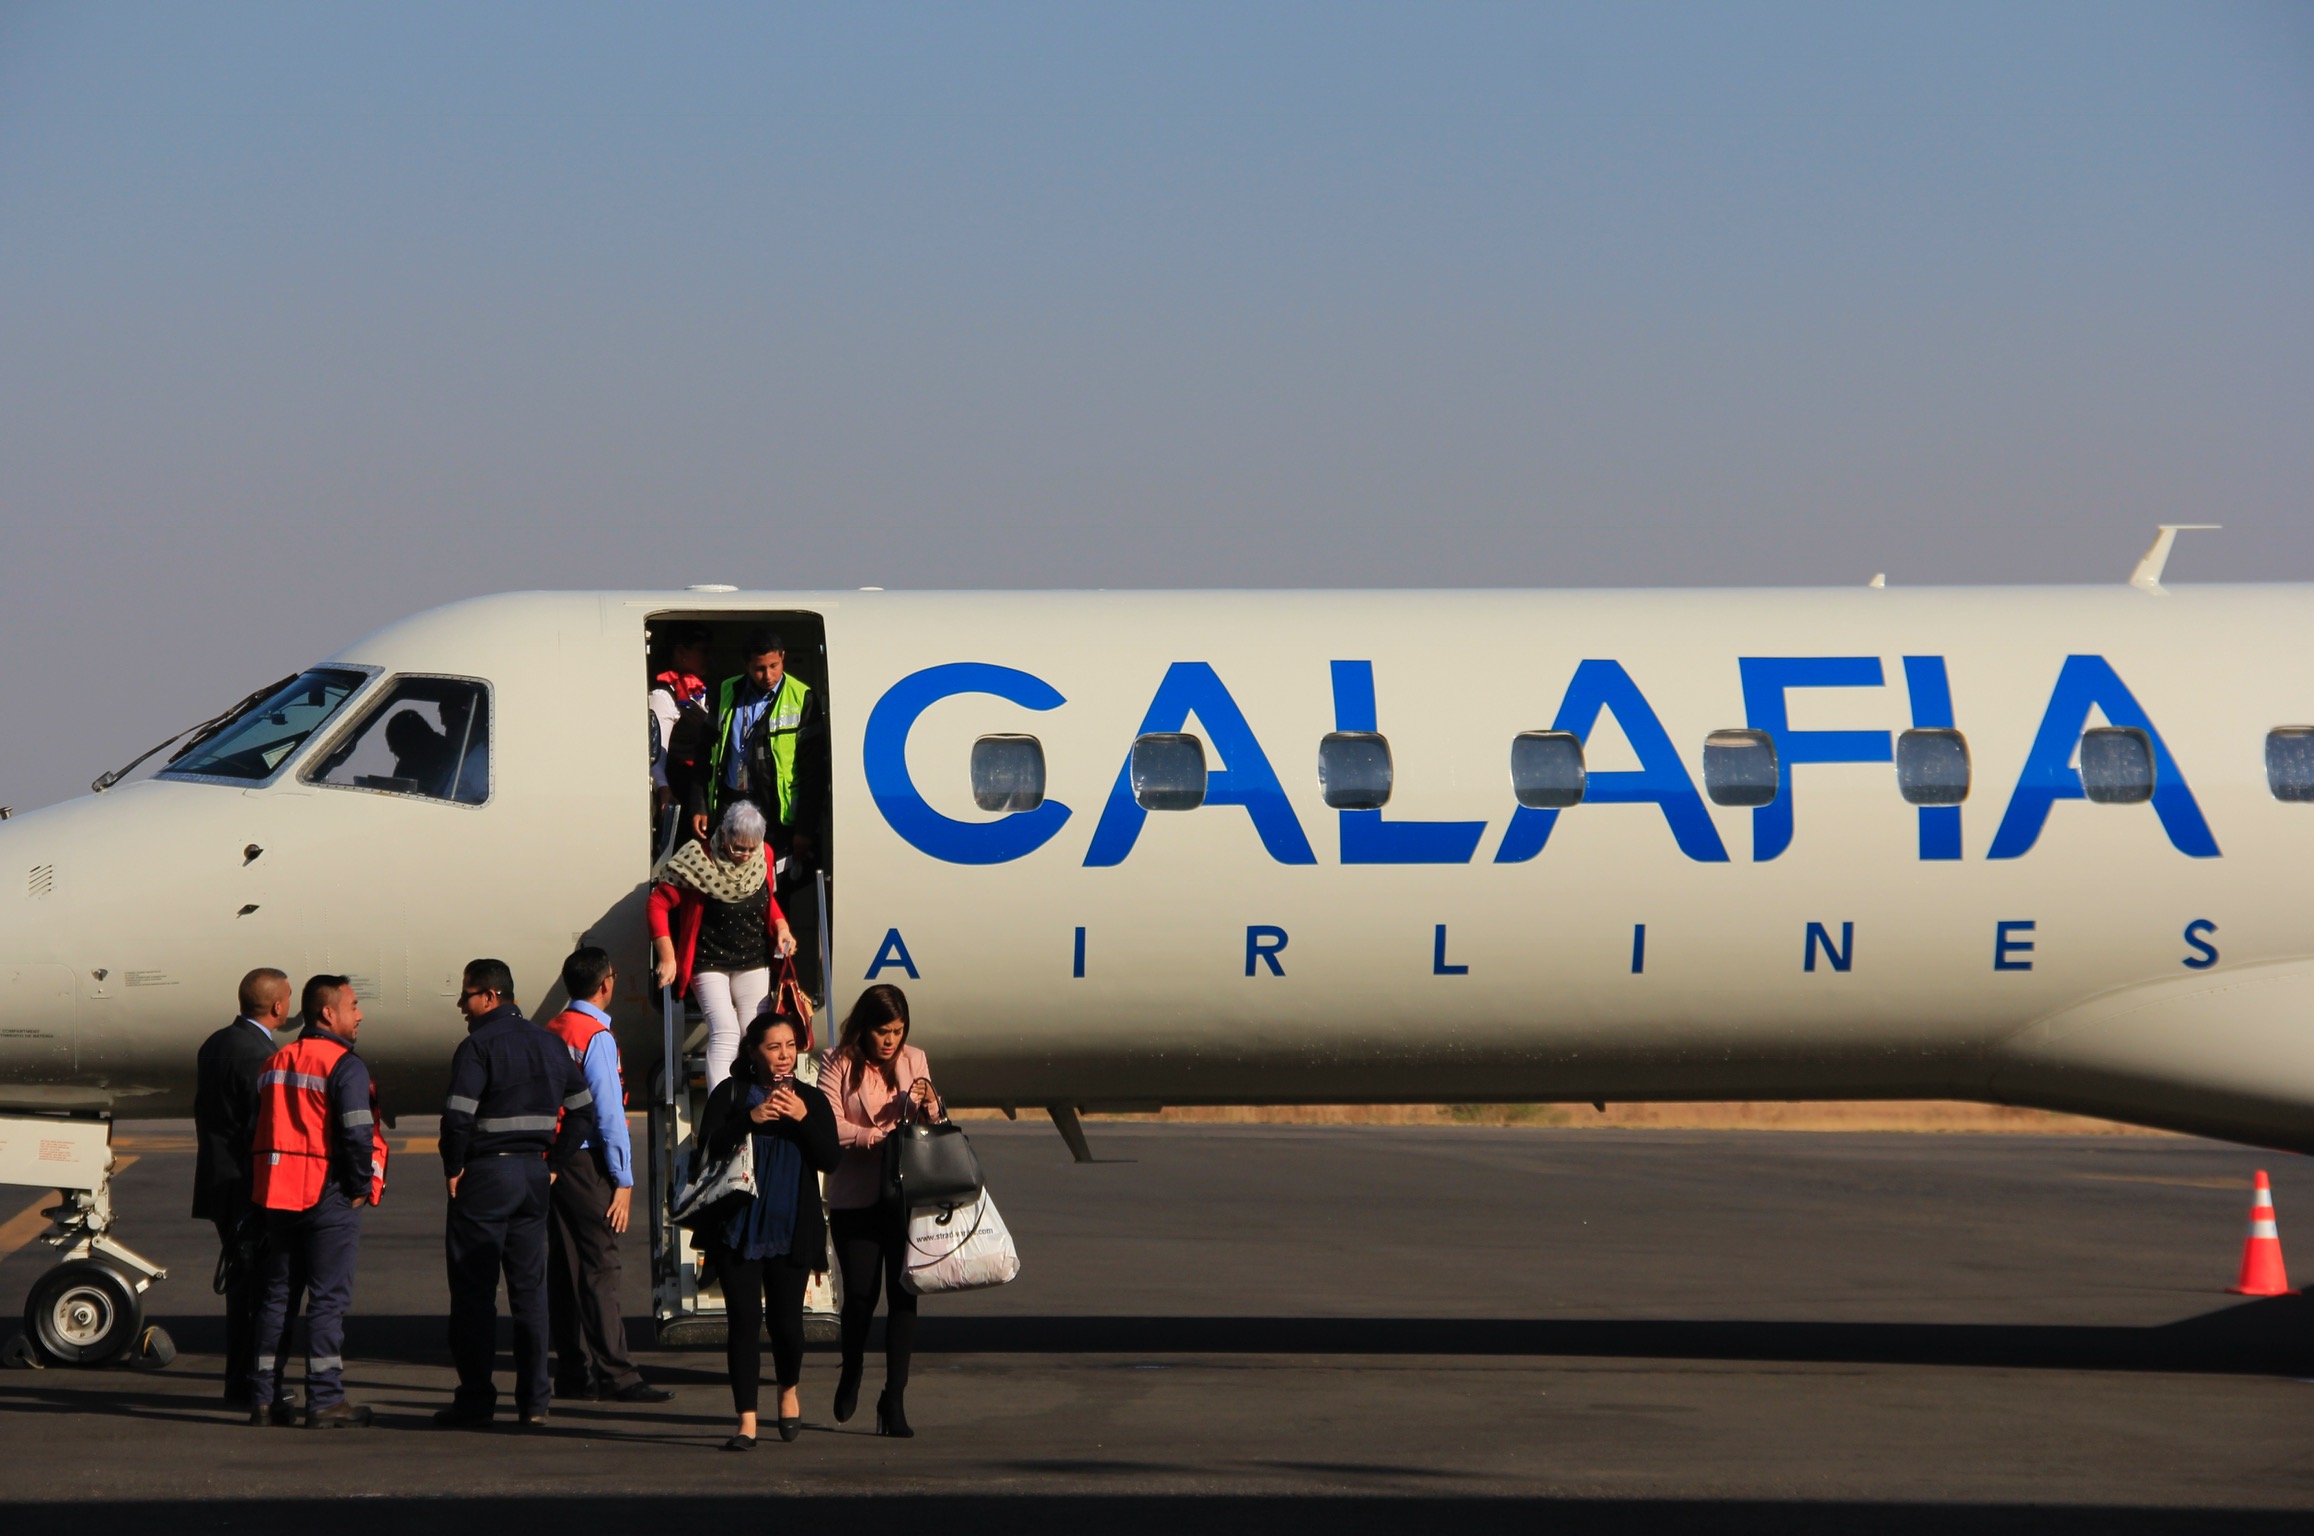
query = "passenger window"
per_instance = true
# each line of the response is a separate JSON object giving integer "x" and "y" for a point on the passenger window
{"x": 1547, "y": 771}
{"x": 251, "y": 743}
{"x": 1008, "y": 773}
{"x": 2290, "y": 762}
{"x": 1739, "y": 767}
{"x": 1354, "y": 770}
{"x": 2117, "y": 765}
{"x": 429, "y": 736}
{"x": 1932, "y": 767}
{"x": 1168, "y": 771}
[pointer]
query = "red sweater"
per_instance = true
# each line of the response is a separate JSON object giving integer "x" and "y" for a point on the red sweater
{"x": 689, "y": 909}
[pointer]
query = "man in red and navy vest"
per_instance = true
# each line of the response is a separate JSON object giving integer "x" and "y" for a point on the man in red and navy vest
{"x": 591, "y": 1203}
{"x": 318, "y": 1157}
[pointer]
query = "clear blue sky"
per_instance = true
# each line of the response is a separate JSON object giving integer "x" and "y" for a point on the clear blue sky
{"x": 311, "y": 316}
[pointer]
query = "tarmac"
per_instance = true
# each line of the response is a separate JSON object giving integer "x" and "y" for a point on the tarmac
{"x": 1263, "y": 1328}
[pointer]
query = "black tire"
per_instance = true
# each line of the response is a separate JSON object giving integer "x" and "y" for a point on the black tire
{"x": 84, "y": 1313}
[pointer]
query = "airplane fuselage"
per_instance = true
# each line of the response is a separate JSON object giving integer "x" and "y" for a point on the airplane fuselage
{"x": 2151, "y": 960}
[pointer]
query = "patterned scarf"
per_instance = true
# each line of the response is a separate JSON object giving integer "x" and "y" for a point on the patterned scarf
{"x": 695, "y": 868}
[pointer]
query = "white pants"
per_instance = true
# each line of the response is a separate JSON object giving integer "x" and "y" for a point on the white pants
{"x": 731, "y": 1000}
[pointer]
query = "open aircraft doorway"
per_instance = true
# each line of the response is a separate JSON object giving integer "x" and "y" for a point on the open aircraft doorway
{"x": 739, "y": 711}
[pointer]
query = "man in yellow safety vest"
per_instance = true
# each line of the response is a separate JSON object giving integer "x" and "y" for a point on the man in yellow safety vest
{"x": 771, "y": 748}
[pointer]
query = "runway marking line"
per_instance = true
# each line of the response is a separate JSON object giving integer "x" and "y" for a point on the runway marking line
{"x": 28, "y": 1223}
{"x": 2149, "y": 1178}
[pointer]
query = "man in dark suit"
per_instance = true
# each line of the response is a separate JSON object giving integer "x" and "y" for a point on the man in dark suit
{"x": 224, "y": 1117}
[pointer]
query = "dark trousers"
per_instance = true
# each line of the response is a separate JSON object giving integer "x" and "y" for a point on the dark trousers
{"x": 498, "y": 1226}
{"x": 582, "y": 1280}
{"x": 320, "y": 1246}
{"x": 757, "y": 1292}
{"x": 244, "y": 1288}
{"x": 871, "y": 1250}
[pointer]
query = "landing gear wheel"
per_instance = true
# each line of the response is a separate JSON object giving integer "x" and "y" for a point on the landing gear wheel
{"x": 84, "y": 1313}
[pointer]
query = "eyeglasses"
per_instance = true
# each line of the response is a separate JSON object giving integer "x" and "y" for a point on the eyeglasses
{"x": 474, "y": 992}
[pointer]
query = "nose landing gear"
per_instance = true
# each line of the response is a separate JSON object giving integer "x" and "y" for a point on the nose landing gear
{"x": 90, "y": 1309}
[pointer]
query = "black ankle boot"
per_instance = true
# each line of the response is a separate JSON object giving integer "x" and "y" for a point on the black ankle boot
{"x": 848, "y": 1389}
{"x": 891, "y": 1418}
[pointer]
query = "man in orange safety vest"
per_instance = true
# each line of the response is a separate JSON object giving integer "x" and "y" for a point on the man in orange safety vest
{"x": 318, "y": 1157}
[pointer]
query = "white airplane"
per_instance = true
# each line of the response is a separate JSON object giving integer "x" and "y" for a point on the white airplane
{"x": 2029, "y": 845}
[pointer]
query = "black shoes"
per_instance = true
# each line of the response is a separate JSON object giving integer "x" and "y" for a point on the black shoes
{"x": 535, "y": 1419}
{"x": 790, "y": 1428}
{"x": 740, "y": 1443}
{"x": 891, "y": 1418}
{"x": 278, "y": 1416}
{"x": 848, "y": 1391}
{"x": 458, "y": 1416}
{"x": 633, "y": 1392}
{"x": 339, "y": 1416}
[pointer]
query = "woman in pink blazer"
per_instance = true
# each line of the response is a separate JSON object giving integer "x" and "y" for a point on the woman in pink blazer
{"x": 872, "y": 1077}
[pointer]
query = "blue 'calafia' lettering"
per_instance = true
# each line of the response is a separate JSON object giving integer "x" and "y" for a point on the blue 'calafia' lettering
{"x": 1661, "y": 779}
{"x": 1192, "y": 688}
{"x": 1366, "y": 837}
{"x": 1931, "y": 694}
{"x": 1765, "y": 679}
{"x": 885, "y": 755}
{"x": 2089, "y": 682}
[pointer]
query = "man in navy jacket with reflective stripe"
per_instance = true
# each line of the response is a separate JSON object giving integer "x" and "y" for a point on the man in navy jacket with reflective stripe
{"x": 511, "y": 1082}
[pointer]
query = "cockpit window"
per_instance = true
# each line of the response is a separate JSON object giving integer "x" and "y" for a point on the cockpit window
{"x": 256, "y": 740}
{"x": 428, "y": 736}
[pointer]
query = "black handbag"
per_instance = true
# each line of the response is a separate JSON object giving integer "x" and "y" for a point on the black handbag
{"x": 928, "y": 1164}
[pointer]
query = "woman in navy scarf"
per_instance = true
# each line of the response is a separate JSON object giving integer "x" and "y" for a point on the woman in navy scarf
{"x": 766, "y": 1252}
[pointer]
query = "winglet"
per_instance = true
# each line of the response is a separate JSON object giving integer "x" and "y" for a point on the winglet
{"x": 2147, "y": 576}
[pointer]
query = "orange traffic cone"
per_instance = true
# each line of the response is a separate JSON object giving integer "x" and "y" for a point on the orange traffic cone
{"x": 2262, "y": 1273}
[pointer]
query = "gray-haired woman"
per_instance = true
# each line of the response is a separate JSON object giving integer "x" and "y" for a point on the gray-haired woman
{"x": 726, "y": 930}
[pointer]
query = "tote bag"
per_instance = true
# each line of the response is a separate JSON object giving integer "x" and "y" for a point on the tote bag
{"x": 964, "y": 1249}
{"x": 718, "y": 1189}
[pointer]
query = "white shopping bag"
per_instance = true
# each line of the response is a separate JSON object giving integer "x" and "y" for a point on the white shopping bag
{"x": 965, "y": 1249}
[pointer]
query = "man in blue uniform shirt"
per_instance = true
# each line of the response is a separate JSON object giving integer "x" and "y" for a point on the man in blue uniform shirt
{"x": 511, "y": 1083}
{"x": 592, "y": 1203}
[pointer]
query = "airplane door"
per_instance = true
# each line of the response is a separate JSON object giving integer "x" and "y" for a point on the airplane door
{"x": 37, "y": 1019}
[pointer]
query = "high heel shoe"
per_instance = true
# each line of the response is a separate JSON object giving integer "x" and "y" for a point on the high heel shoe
{"x": 790, "y": 1428}
{"x": 891, "y": 1418}
{"x": 848, "y": 1389}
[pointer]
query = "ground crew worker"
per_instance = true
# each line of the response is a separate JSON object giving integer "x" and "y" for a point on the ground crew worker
{"x": 771, "y": 747}
{"x": 501, "y": 1151}
{"x": 591, "y": 1203}
{"x": 318, "y": 1157}
{"x": 224, "y": 1118}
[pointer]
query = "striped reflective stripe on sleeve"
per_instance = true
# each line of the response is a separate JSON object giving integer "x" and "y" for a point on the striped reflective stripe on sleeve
{"x": 353, "y": 1119}
{"x": 461, "y": 1105}
{"x": 515, "y": 1123}
{"x": 293, "y": 1079}
{"x": 580, "y": 1099}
